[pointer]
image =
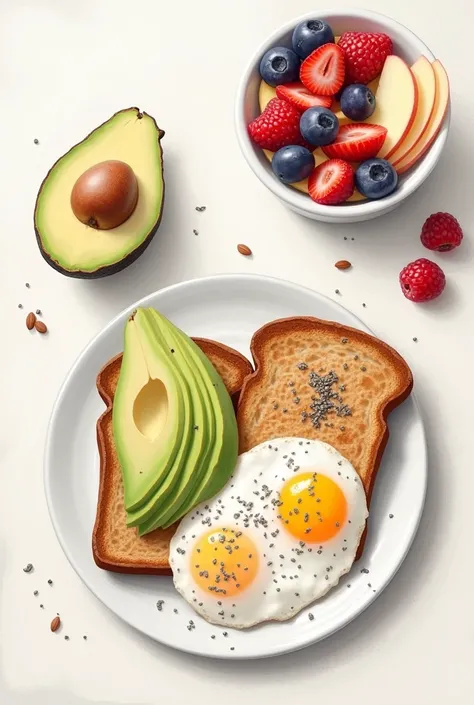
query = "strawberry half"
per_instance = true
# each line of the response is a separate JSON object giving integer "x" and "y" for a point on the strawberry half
{"x": 323, "y": 71}
{"x": 332, "y": 182}
{"x": 356, "y": 142}
{"x": 300, "y": 97}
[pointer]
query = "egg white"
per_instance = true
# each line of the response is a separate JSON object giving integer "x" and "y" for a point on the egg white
{"x": 291, "y": 574}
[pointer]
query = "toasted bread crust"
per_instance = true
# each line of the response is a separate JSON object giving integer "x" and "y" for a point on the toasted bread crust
{"x": 116, "y": 547}
{"x": 376, "y": 381}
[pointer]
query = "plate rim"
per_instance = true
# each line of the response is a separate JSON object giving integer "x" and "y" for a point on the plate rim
{"x": 202, "y": 281}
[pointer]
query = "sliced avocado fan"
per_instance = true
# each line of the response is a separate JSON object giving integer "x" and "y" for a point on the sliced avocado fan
{"x": 173, "y": 421}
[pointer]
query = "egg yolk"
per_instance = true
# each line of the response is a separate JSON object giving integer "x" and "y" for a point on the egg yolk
{"x": 313, "y": 507}
{"x": 224, "y": 562}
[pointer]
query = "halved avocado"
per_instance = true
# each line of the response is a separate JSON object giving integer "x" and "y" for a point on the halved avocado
{"x": 79, "y": 250}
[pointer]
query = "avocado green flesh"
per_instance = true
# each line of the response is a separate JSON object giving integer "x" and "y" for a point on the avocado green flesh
{"x": 225, "y": 449}
{"x": 204, "y": 431}
{"x": 149, "y": 413}
{"x": 76, "y": 247}
{"x": 173, "y": 421}
{"x": 142, "y": 513}
{"x": 192, "y": 447}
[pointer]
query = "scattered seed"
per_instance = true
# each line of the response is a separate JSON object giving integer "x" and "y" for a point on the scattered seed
{"x": 336, "y": 291}
{"x": 244, "y": 250}
{"x": 84, "y": 637}
{"x": 30, "y": 320}
{"x": 36, "y": 593}
{"x": 42, "y": 607}
{"x": 28, "y": 568}
{"x": 39, "y": 312}
{"x": 200, "y": 209}
{"x": 27, "y": 285}
{"x": 55, "y": 624}
{"x": 20, "y": 305}
{"x": 50, "y": 582}
{"x": 364, "y": 305}
{"x": 310, "y": 616}
{"x": 159, "y": 605}
{"x": 343, "y": 264}
{"x": 390, "y": 516}
{"x": 415, "y": 340}
{"x": 66, "y": 638}
{"x": 36, "y": 140}
{"x": 196, "y": 232}
{"x": 41, "y": 327}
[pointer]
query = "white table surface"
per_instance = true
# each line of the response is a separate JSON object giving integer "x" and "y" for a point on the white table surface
{"x": 66, "y": 66}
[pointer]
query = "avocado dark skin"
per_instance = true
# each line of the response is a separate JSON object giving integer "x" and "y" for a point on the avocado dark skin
{"x": 118, "y": 266}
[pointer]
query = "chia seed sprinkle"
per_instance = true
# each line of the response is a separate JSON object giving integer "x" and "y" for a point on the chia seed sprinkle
{"x": 36, "y": 593}
{"x": 28, "y": 568}
{"x": 336, "y": 291}
{"x": 36, "y": 140}
{"x": 200, "y": 209}
{"x": 27, "y": 285}
{"x": 415, "y": 340}
{"x": 390, "y": 516}
{"x": 310, "y": 616}
{"x": 159, "y": 605}
{"x": 20, "y": 305}
{"x": 50, "y": 582}
{"x": 66, "y": 638}
{"x": 195, "y": 232}
{"x": 39, "y": 312}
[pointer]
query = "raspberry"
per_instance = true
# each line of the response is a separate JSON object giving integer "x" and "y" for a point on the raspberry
{"x": 441, "y": 232}
{"x": 422, "y": 280}
{"x": 278, "y": 126}
{"x": 365, "y": 54}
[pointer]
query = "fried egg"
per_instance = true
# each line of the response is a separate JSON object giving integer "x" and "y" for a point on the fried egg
{"x": 276, "y": 538}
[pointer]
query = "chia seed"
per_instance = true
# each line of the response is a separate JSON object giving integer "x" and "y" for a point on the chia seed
{"x": 28, "y": 568}
{"x": 36, "y": 140}
{"x": 364, "y": 305}
{"x": 50, "y": 582}
{"x": 336, "y": 291}
{"x": 20, "y": 305}
{"x": 66, "y": 638}
{"x": 159, "y": 605}
{"x": 200, "y": 209}
{"x": 36, "y": 593}
{"x": 195, "y": 232}
{"x": 39, "y": 312}
{"x": 415, "y": 340}
{"x": 390, "y": 516}
{"x": 310, "y": 616}
{"x": 302, "y": 366}
{"x": 27, "y": 285}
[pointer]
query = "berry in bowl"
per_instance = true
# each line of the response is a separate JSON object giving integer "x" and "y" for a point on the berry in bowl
{"x": 343, "y": 115}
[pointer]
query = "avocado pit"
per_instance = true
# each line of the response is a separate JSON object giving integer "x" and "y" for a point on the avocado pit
{"x": 105, "y": 195}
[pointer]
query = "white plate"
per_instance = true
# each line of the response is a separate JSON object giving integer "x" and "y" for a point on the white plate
{"x": 228, "y": 309}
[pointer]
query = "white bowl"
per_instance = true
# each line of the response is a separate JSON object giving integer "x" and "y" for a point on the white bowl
{"x": 407, "y": 45}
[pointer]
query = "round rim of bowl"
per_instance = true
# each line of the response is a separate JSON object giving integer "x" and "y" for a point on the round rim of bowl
{"x": 301, "y": 202}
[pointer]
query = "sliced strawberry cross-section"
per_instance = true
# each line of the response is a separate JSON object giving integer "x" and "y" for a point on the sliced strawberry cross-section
{"x": 323, "y": 71}
{"x": 299, "y": 96}
{"x": 332, "y": 182}
{"x": 356, "y": 142}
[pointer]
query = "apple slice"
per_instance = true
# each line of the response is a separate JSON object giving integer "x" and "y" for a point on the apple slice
{"x": 265, "y": 94}
{"x": 426, "y": 83}
{"x": 396, "y": 103}
{"x": 434, "y": 124}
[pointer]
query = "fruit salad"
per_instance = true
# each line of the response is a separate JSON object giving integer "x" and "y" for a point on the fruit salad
{"x": 341, "y": 118}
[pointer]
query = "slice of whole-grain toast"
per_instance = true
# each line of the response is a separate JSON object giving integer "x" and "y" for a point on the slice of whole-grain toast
{"x": 115, "y": 546}
{"x": 318, "y": 379}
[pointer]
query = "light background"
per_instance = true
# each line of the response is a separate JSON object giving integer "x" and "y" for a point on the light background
{"x": 66, "y": 66}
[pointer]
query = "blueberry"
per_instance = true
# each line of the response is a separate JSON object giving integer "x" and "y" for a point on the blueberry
{"x": 376, "y": 178}
{"x": 292, "y": 163}
{"x": 319, "y": 126}
{"x": 279, "y": 65}
{"x": 310, "y": 35}
{"x": 357, "y": 102}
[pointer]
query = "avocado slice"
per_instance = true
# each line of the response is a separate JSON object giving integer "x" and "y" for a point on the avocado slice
{"x": 173, "y": 421}
{"x": 204, "y": 429}
{"x": 193, "y": 448}
{"x": 78, "y": 250}
{"x": 151, "y": 416}
{"x": 221, "y": 463}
